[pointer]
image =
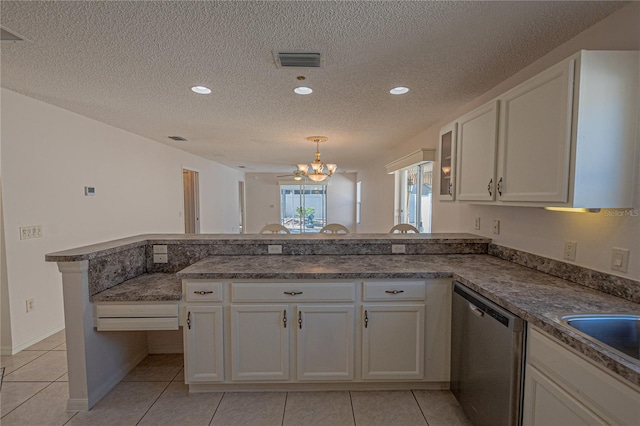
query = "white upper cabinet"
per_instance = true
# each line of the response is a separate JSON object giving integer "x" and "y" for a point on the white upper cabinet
{"x": 477, "y": 143}
{"x": 535, "y": 137}
{"x": 567, "y": 137}
{"x": 447, "y": 150}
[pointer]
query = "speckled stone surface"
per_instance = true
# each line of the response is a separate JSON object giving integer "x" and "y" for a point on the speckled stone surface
{"x": 143, "y": 288}
{"x": 229, "y": 244}
{"x": 108, "y": 271}
{"x": 532, "y": 295}
{"x": 618, "y": 286}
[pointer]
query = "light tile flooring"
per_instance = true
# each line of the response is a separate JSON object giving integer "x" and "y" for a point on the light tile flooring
{"x": 34, "y": 393}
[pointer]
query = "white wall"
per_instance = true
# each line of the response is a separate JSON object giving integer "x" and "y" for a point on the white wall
{"x": 532, "y": 229}
{"x": 263, "y": 200}
{"x": 48, "y": 155}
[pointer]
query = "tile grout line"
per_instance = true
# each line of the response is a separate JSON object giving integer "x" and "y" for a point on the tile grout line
{"x": 284, "y": 409}
{"x": 419, "y": 406}
{"x": 154, "y": 401}
{"x": 217, "y": 407}
{"x": 353, "y": 412}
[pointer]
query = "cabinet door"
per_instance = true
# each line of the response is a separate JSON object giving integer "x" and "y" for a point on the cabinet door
{"x": 447, "y": 151}
{"x": 393, "y": 341}
{"x": 547, "y": 404}
{"x": 325, "y": 342}
{"x": 260, "y": 342}
{"x": 203, "y": 361}
{"x": 535, "y": 137}
{"x": 477, "y": 143}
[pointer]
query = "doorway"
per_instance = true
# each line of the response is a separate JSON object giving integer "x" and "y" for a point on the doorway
{"x": 191, "y": 186}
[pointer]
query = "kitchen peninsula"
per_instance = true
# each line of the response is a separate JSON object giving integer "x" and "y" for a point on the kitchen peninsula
{"x": 356, "y": 265}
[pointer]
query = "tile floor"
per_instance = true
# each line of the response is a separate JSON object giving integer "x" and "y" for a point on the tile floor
{"x": 34, "y": 392}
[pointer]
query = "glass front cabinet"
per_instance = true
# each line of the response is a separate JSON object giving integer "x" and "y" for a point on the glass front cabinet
{"x": 447, "y": 151}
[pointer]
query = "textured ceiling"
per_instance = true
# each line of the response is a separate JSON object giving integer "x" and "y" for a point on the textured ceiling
{"x": 131, "y": 63}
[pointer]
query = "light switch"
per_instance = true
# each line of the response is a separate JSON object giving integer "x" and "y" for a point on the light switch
{"x": 619, "y": 259}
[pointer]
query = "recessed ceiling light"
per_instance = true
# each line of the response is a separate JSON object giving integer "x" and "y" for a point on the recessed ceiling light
{"x": 303, "y": 90}
{"x": 202, "y": 90}
{"x": 400, "y": 90}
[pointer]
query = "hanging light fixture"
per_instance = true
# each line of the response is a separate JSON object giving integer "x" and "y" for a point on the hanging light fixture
{"x": 317, "y": 173}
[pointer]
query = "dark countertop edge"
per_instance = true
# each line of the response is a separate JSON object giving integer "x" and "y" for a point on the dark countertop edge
{"x": 115, "y": 246}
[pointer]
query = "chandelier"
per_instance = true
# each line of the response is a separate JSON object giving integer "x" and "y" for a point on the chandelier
{"x": 317, "y": 173}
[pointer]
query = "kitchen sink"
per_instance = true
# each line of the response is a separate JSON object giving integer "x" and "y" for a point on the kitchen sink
{"x": 620, "y": 332}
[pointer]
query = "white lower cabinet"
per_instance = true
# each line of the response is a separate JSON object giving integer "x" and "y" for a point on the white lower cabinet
{"x": 260, "y": 342}
{"x": 203, "y": 340}
{"x": 314, "y": 332}
{"x": 325, "y": 342}
{"x": 393, "y": 341}
{"x": 261, "y": 337}
{"x": 564, "y": 388}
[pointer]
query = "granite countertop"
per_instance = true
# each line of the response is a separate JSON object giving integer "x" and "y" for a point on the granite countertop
{"x": 144, "y": 288}
{"x": 532, "y": 295}
{"x": 110, "y": 247}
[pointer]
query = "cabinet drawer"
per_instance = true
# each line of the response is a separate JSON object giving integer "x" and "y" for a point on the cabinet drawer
{"x": 135, "y": 310}
{"x": 132, "y": 316}
{"x": 136, "y": 324}
{"x": 293, "y": 292}
{"x": 393, "y": 290}
{"x": 202, "y": 291}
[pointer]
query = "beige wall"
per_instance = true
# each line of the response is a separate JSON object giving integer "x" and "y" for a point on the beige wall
{"x": 532, "y": 229}
{"x": 263, "y": 200}
{"x": 48, "y": 156}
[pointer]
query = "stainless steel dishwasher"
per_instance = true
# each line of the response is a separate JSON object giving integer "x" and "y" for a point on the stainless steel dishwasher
{"x": 487, "y": 344}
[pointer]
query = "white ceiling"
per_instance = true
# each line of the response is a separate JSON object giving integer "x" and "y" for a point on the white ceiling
{"x": 131, "y": 64}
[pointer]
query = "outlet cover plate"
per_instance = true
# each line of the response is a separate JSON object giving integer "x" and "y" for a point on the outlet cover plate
{"x": 619, "y": 259}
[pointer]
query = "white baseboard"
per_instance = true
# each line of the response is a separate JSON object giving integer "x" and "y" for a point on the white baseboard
{"x": 14, "y": 349}
{"x": 166, "y": 349}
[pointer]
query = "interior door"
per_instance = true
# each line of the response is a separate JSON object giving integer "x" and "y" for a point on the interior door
{"x": 190, "y": 181}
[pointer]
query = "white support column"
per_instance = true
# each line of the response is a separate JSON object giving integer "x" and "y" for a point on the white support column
{"x": 97, "y": 361}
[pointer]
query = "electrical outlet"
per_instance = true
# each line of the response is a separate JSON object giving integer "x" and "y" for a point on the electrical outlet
{"x": 274, "y": 249}
{"x": 397, "y": 248}
{"x": 619, "y": 259}
{"x": 159, "y": 249}
{"x": 477, "y": 226}
{"x": 31, "y": 305}
{"x": 160, "y": 258}
{"x": 570, "y": 248}
{"x": 496, "y": 226}
{"x": 28, "y": 232}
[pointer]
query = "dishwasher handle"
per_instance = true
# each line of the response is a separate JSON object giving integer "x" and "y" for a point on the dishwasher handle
{"x": 475, "y": 310}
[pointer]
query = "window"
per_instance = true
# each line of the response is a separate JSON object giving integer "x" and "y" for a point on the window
{"x": 414, "y": 196}
{"x": 303, "y": 207}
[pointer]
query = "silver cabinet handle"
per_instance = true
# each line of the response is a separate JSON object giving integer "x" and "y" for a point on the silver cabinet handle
{"x": 450, "y": 186}
{"x": 284, "y": 318}
{"x": 292, "y": 293}
{"x": 500, "y": 187}
{"x": 366, "y": 319}
{"x": 189, "y": 320}
{"x": 394, "y": 291}
{"x": 489, "y": 187}
{"x": 202, "y": 292}
{"x": 300, "y": 319}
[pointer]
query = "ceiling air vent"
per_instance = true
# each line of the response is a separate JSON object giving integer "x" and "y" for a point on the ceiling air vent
{"x": 177, "y": 138}
{"x": 300, "y": 60}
